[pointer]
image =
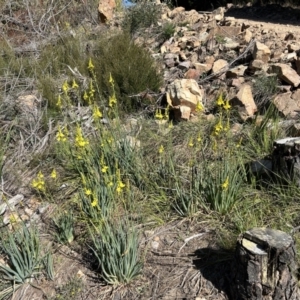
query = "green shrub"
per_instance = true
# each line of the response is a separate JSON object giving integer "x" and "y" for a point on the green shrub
{"x": 23, "y": 253}
{"x": 168, "y": 30}
{"x": 131, "y": 67}
{"x": 116, "y": 251}
{"x": 142, "y": 15}
{"x": 64, "y": 228}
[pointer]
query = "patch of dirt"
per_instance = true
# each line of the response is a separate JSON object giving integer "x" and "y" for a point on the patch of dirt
{"x": 276, "y": 17}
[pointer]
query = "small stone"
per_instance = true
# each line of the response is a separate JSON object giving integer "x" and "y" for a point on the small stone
{"x": 155, "y": 245}
{"x": 219, "y": 65}
{"x": 261, "y": 52}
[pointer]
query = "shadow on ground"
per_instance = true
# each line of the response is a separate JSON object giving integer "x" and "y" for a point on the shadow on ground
{"x": 273, "y": 13}
{"x": 215, "y": 266}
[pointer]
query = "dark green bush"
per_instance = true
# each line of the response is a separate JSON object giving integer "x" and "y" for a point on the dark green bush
{"x": 142, "y": 15}
{"x": 131, "y": 67}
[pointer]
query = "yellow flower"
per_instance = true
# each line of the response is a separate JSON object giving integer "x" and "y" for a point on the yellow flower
{"x": 39, "y": 183}
{"x": 112, "y": 100}
{"x": 85, "y": 96}
{"x": 227, "y": 106}
{"x": 75, "y": 85}
{"x": 225, "y": 184}
{"x": 238, "y": 145}
{"x": 161, "y": 149}
{"x": 65, "y": 87}
{"x": 199, "y": 107}
{"x": 218, "y": 127}
{"x": 171, "y": 125}
{"x": 120, "y": 186}
{"x": 158, "y": 114}
{"x": 199, "y": 139}
{"x": 53, "y": 174}
{"x": 111, "y": 80}
{"x": 80, "y": 141}
{"x": 94, "y": 202}
{"x": 191, "y": 144}
{"x": 110, "y": 183}
{"x": 104, "y": 169}
{"x": 91, "y": 67}
{"x": 88, "y": 192}
{"x": 220, "y": 100}
{"x": 96, "y": 112}
{"x": 58, "y": 103}
{"x": 60, "y": 136}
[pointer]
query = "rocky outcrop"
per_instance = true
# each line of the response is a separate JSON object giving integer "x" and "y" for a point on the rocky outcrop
{"x": 106, "y": 10}
{"x": 184, "y": 95}
{"x": 217, "y": 51}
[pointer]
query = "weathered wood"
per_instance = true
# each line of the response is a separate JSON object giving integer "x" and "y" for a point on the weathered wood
{"x": 264, "y": 266}
{"x": 286, "y": 159}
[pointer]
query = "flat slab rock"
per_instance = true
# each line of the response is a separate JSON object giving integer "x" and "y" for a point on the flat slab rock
{"x": 257, "y": 239}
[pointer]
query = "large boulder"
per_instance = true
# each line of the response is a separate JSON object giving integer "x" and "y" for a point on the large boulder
{"x": 288, "y": 103}
{"x": 285, "y": 73}
{"x": 244, "y": 102}
{"x": 184, "y": 95}
{"x": 106, "y": 10}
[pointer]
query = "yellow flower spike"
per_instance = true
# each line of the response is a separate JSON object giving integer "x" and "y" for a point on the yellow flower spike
{"x": 191, "y": 144}
{"x": 238, "y": 145}
{"x": 112, "y": 100}
{"x": 158, "y": 114}
{"x": 53, "y": 174}
{"x": 87, "y": 192}
{"x": 225, "y": 184}
{"x": 218, "y": 127}
{"x": 59, "y": 103}
{"x": 60, "y": 136}
{"x": 111, "y": 80}
{"x": 39, "y": 183}
{"x": 161, "y": 149}
{"x": 110, "y": 184}
{"x": 104, "y": 169}
{"x": 220, "y": 100}
{"x": 94, "y": 203}
{"x": 97, "y": 114}
{"x": 171, "y": 125}
{"x": 91, "y": 67}
{"x": 199, "y": 107}
{"x": 199, "y": 139}
{"x": 74, "y": 85}
{"x": 120, "y": 186}
{"x": 65, "y": 87}
{"x": 80, "y": 141}
{"x": 85, "y": 96}
{"x": 226, "y": 105}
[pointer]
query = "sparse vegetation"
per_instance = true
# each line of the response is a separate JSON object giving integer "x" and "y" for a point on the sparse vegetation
{"x": 141, "y": 16}
{"x": 168, "y": 30}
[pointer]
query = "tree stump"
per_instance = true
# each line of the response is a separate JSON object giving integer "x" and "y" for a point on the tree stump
{"x": 264, "y": 267}
{"x": 286, "y": 159}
